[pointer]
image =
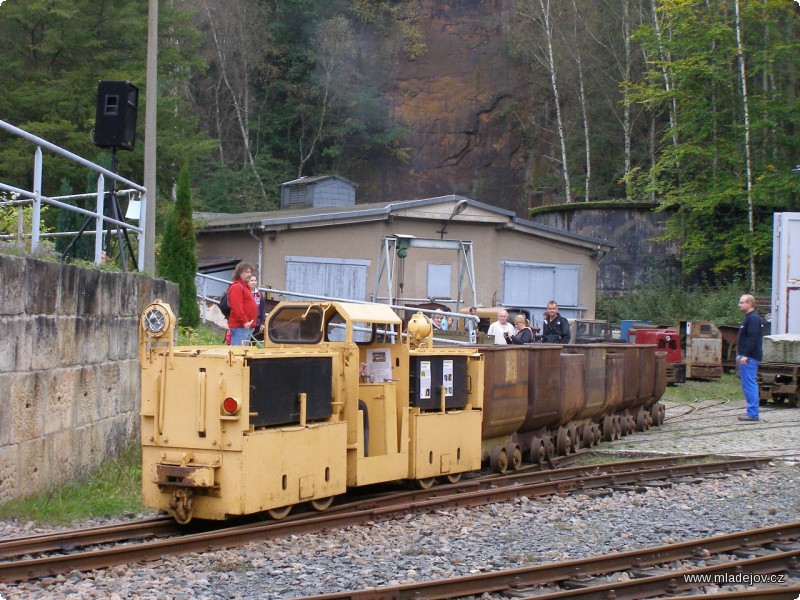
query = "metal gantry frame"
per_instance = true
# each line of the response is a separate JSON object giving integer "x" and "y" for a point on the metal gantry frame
{"x": 391, "y": 244}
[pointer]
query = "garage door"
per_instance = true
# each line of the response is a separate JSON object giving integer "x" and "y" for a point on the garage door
{"x": 535, "y": 284}
{"x": 329, "y": 277}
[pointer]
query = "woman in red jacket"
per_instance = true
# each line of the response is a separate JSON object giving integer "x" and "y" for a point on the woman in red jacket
{"x": 243, "y": 306}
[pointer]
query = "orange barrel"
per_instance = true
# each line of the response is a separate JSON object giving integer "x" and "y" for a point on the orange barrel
{"x": 630, "y": 385}
{"x": 661, "y": 376}
{"x": 505, "y": 389}
{"x": 544, "y": 381}
{"x": 594, "y": 378}
{"x": 647, "y": 373}
{"x": 615, "y": 383}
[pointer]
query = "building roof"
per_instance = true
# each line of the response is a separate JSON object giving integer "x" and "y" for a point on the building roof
{"x": 305, "y": 180}
{"x": 299, "y": 218}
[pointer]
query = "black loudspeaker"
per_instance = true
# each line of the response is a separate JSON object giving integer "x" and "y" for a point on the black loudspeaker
{"x": 115, "y": 118}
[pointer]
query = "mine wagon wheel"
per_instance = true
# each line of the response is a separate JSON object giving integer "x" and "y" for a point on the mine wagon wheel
{"x": 563, "y": 440}
{"x": 498, "y": 460}
{"x": 514, "y": 451}
{"x": 573, "y": 436}
{"x": 425, "y": 483}
{"x": 641, "y": 423}
{"x": 608, "y": 428}
{"x": 537, "y": 450}
{"x": 320, "y": 504}
{"x": 658, "y": 413}
{"x": 617, "y": 421}
{"x": 627, "y": 425}
{"x": 549, "y": 447}
{"x": 452, "y": 477}
{"x": 587, "y": 436}
{"x": 279, "y": 513}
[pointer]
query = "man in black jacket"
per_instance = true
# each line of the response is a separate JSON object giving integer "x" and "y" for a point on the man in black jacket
{"x": 748, "y": 355}
{"x": 555, "y": 328}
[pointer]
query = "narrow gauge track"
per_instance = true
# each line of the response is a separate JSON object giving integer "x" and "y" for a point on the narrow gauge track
{"x": 470, "y": 493}
{"x": 164, "y": 526}
{"x": 775, "y": 549}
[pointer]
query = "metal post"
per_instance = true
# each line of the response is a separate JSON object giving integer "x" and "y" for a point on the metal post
{"x": 37, "y": 200}
{"x": 98, "y": 221}
{"x": 147, "y": 258}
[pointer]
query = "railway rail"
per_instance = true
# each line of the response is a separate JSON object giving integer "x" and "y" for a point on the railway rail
{"x": 19, "y": 560}
{"x": 767, "y": 551}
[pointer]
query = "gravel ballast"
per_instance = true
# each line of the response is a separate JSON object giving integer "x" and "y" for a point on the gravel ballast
{"x": 447, "y": 543}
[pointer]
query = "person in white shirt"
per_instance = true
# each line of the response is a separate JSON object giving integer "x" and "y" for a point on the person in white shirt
{"x": 501, "y": 329}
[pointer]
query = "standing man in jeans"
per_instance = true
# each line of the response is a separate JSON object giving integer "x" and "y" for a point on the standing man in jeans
{"x": 748, "y": 355}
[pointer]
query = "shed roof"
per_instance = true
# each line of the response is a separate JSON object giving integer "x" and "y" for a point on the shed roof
{"x": 314, "y": 179}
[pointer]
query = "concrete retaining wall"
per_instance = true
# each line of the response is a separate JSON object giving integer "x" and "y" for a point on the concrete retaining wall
{"x": 69, "y": 369}
{"x": 640, "y": 255}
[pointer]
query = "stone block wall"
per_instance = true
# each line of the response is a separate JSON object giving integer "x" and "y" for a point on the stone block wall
{"x": 69, "y": 369}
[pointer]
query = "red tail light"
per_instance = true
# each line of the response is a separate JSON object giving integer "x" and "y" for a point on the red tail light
{"x": 230, "y": 406}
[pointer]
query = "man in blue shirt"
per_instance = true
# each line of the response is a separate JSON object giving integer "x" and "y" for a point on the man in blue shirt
{"x": 748, "y": 355}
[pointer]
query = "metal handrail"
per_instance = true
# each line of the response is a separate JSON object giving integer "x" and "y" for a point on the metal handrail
{"x": 35, "y": 197}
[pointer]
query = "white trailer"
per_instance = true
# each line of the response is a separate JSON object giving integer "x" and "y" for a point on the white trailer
{"x": 785, "y": 273}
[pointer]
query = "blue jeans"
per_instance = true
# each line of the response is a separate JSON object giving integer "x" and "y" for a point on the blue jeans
{"x": 239, "y": 335}
{"x": 747, "y": 375}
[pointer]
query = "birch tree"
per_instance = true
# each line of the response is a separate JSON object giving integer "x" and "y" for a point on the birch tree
{"x": 746, "y": 118}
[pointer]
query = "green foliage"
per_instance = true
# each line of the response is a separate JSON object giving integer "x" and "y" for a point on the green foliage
{"x": 177, "y": 260}
{"x": 201, "y": 335}
{"x": 112, "y": 490}
{"x": 700, "y": 167}
{"x": 664, "y": 305}
{"x": 53, "y": 55}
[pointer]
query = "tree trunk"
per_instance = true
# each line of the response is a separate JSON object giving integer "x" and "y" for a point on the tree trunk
{"x": 551, "y": 65}
{"x": 748, "y": 166}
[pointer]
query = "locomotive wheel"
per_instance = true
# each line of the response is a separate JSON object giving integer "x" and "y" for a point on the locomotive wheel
{"x": 453, "y": 477}
{"x": 182, "y": 505}
{"x": 608, "y": 428}
{"x": 498, "y": 461}
{"x": 320, "y": 504}
{"x": 537, "y": 450}
{"x": 279, "y": 513}
{"x": 597, "y": 435}
{"x": 514, "y": 452}
{"x": 425, "y": 483}
{"x": 648, "y": 420}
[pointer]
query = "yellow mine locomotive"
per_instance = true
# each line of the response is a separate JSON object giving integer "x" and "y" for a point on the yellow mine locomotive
{"x": 337, "y": 398}
{"x": 340, "y": 396}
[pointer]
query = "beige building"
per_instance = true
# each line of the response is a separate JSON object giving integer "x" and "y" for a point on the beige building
{"x": 458, "y": 252}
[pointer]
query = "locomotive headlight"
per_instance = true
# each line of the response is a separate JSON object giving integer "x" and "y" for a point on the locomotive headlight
{"x": 667, "y": 338}
{"x": 156, "y": 319}
{"x": 231, "y": 406}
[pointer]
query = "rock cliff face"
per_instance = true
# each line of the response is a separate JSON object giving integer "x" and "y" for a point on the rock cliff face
{"x": 463, "y": 104}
